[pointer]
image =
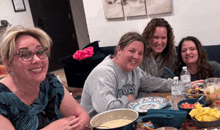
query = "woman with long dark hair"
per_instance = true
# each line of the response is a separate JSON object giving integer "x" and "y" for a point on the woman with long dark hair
{"x": 192, "y": 54}
{"x": 160, "y": 50}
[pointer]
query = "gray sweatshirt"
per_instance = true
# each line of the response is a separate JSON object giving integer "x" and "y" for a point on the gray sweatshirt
{"x": 107, "y": 85}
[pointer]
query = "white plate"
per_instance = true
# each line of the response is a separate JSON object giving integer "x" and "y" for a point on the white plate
{"x": 142, "y": 105}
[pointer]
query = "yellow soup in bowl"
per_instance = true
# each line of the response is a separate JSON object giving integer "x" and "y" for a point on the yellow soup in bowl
{"x": 115, "y": 123}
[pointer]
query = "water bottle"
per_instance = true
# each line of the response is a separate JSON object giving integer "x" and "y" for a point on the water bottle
{"x": 176, "y": 92}
{"x": 185, "y": 79}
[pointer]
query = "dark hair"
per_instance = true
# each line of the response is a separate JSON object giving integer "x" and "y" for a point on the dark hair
{"x": 204, "y": 69}
{"x": 128, "y": 38}
{"x": 169, "y": 52}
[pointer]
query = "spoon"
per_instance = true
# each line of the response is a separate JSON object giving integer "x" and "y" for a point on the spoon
{"x": 201, "y": 97}
{"x": 170, "y": 71}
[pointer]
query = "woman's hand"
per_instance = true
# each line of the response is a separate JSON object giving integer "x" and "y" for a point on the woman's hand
{"x": 194, "y": 82}
{"x": 130, "y": 97}
{"x": 198, "y": 81}
{"x": 70, "y": 108}
{"x": 67, "y": 123}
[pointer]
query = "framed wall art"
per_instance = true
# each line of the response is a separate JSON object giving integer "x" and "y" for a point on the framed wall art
{"x": 159, "y": 6}
{"x": 134, "y": 7}
{"x": 113, "y": 9}
{"x": 130, "y": 8}
{"x": 18, "y": 5}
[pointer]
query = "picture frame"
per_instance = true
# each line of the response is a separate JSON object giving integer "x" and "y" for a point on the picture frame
{"x": 18, "y": 5}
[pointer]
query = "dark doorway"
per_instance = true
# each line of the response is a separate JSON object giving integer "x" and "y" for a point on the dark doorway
{"x": 55, "y": 18}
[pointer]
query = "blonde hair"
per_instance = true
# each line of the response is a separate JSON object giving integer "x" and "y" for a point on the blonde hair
{"x": 8, "y": 45}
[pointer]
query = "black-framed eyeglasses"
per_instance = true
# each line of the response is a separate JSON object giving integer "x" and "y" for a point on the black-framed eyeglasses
{"x": 27, "y": 55}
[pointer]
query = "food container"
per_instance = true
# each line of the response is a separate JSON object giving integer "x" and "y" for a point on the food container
{"x": 190, "y": 101}
{"x": 212, "y": 90}
{"x": 164, "y": 118}
{"x": 199, "y": 92}
{"x": 114, "y": 114}
{"x": 205, "y": 124}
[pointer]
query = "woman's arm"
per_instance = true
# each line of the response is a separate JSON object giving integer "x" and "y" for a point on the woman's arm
{"x": 216, "y": 68}
{"x": 5, "y": 124}
{"x": 70, "y": 107}
{"x": 103, "y": 91}
{"x": 150, "y": 83}
{"x": 75, "y": 117}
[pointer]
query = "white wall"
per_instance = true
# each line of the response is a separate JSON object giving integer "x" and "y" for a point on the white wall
{"x": 79, "y": 22}
{"x": 23, "y": 18}
{"x": 200, "y": 18}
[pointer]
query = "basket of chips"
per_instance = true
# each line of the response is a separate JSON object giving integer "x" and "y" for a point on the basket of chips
{"x": 204, "y": 117}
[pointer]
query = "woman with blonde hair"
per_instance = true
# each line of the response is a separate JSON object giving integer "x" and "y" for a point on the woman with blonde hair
{"x": 31, "y": 99}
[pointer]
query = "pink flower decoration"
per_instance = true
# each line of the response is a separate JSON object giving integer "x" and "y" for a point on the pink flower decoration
{"x": 83, "y": 54}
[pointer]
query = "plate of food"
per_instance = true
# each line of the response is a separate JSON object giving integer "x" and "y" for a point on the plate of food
{"x": 196, "y": 91}
{"x": 142, "y": 105}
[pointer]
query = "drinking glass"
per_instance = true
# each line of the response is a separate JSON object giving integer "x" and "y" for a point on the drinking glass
{"x": 212, "y": 90}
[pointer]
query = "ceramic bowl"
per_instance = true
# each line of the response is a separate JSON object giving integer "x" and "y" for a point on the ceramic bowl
{"x": 114, "y": 114}
{"x": 204, "y": 124}
{"x": 190, "y": 101}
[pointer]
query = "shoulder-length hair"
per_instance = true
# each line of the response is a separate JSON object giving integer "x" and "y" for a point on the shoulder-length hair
{"x": 169, "y": 52}
{"x": 8, "y": 44}
{"x": 127, "y": 39}
{"x": 204, "y": 69}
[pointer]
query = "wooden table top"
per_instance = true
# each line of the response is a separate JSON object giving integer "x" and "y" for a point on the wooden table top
{"x": 157, "y": 94}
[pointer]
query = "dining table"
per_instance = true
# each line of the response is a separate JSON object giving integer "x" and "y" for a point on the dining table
{"x": 187, "y": 124}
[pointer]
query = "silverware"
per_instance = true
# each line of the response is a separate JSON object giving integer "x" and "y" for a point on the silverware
{"x": 201, "y": 97}
{"x": 170, "y": 71}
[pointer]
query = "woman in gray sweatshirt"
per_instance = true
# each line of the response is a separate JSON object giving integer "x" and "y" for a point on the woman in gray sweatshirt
{"x": 117, "y": 80}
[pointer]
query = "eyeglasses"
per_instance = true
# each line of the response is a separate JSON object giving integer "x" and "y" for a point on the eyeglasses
{"x": 26, "y": 55}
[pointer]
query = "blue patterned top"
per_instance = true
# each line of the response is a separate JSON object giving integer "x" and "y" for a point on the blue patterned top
{"x": 42, "y": 112}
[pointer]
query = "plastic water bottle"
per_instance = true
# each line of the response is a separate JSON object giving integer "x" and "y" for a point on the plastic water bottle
{"x": 176, "y": 92}
{"x": 185, "y": 79}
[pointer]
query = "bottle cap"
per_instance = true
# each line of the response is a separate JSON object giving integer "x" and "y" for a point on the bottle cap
{"x": 184, "y": 67}
{"x": 175, "y": 78}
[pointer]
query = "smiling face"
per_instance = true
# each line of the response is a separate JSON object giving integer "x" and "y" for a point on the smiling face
{"x": 131, "y": 56}
{"x": 34, "y": 70}
{"x": 189, "y": 52}
{"x": 159, "y": 41}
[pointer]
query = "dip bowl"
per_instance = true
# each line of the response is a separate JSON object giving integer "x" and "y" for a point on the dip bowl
{"x": 116, "y": 115}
